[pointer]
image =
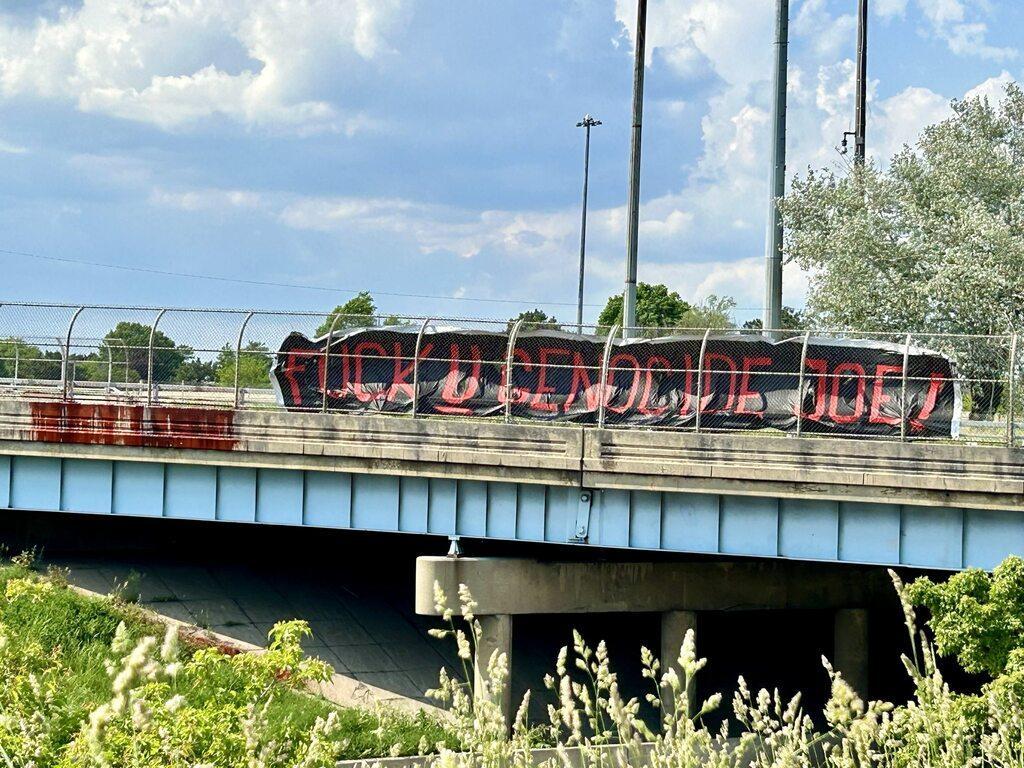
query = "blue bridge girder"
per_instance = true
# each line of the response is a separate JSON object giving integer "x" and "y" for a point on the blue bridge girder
{"x": 923, "y": 505}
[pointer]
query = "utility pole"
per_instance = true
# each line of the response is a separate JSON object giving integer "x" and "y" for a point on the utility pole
{"x": 587, "y": 122}
{"x": 859, "y": 138}
{"x": 771, "y": 318}
{"x": 633, "y": 211}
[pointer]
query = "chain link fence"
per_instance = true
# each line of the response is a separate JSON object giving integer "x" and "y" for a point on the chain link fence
{"x": 805, "y": 382}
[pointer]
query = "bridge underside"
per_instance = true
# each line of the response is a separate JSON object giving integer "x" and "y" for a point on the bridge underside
{"x": 818, "y": 529}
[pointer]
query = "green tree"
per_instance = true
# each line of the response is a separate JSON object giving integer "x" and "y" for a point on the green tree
{"x": 253, "y": 366}
{"x": 977, "y": 617}
{"x": 932, "y": 243}
{"x": 535, "y": 319}
{"x": 656, "y": 307}
{"x": 32, "y": 362}
{"x": 713, "y": 312}
{"x": 790, "y": 320}
{"x": 196, "y": 371}
{"x": 357, "y": 312}
{"x": 131, "y": 340}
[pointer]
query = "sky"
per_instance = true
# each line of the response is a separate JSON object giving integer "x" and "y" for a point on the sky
{"x": 427, "y": 150}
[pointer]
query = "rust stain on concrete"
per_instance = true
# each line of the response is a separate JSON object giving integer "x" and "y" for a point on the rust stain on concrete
{"x": 134, "y": 425}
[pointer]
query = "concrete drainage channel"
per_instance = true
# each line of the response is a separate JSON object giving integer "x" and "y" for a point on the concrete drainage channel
{"x": 341, "y": 689}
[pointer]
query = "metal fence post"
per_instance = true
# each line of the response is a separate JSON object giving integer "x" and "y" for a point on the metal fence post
{"x": 700, "y": 378}
{"x": 67, "y": 355}
{"x": 602, "y": 403}
{"x": 416, "y": 368}
{"x": 327, "y": 359}
{"x": 510, "y": 355}
{"x": 800, "y": 386}
{"x": 17, "y": 348}
{"x": 110, "y": 368}
{"x": 149, "y": 361}
{"x": 1011, "y": 385}
{"x": 903, "y": 390}
{"x": 238, "y": 355}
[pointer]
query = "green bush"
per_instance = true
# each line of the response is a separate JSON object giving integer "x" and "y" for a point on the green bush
{"x": 86, "y": 683}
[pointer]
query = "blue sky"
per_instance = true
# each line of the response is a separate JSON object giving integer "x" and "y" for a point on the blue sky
{"x": 426, "y": 147}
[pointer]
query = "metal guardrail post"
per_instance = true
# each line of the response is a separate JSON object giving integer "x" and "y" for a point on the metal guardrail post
{"x": 1011, "y": 385}
{"x": 149, "y": 361}
{"x": 602, "y": 403}
{"x": 65, "y": 389}
{"x": 238, "y": 355}
{"x": 510, "y": 355}
{"x": 904, "y": 411}
{"x": 416, "y": 368}
{"x": 327, "y": 359}
{"x": 700, "y": 378}
{"x": 800, "y": 386}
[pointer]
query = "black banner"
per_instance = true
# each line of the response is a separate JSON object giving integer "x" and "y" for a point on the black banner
{"x": 746, "y": 381}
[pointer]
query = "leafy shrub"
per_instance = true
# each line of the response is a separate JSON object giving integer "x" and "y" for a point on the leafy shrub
{"x": 86, "y": 683}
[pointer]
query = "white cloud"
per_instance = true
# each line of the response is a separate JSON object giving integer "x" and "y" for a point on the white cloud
{"x": 433, "y": 228}
{"x": 958, "y": 24}
{"x": 742, "y": 279}
{"x": 175, "y": 62}
{"x": 890, "y": 9}
{"x": 204, "y": 199}
{"x": 828, "y": 35}
{"x": 993, "y": 89}
{"x": 116, "y": 170}
{"x": 6, "y": 148}
{"x": 692, "y": 33}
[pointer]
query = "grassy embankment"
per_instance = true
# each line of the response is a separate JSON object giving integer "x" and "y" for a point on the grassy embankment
{"x": 89, "y": 680}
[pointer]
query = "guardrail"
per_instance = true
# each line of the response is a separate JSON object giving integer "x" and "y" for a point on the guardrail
{"x": 216, "y": 358}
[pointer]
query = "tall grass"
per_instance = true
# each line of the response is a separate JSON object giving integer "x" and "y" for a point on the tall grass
{"x": 937, "y": 728}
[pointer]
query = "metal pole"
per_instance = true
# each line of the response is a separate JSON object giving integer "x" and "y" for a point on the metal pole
{"x": 903, "y": 388}
{"x": 510, "y": 357}
{"x": 327, "y": 360}
{"x": 859, "y": 137}
{"x": 416, "y": 368}
{"x": 110, "y": 368}
{"x": 588, "y": 122}
{"x": 700, "y": 378}
{"x": 238, "y": 353}
{"x": 633, "y": 213}
{"x": 16, "y": 361}
{"x": 67, "y": 354}
{"x": 771, "y": 319}
{"x": 149, "y": 363}
{"x": 1012, "y": 387}
{"x": 800, "y": 386}
{"x": 602, "y": 402}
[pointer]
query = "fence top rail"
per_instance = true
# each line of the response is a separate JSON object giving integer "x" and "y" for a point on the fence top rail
{"x": 639, "y": 333}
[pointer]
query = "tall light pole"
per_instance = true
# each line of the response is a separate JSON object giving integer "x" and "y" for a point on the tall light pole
{"x": 587, "y": 122}
{"x": 633, "y": 211}
{"x": 859, "y": 138}
{"x": 777, "y": 187}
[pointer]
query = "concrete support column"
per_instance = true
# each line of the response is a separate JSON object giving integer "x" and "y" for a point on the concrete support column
{"x": 495, "y": 635}
{"x": 674, "y": 625}
{"x": 850, "y": 654}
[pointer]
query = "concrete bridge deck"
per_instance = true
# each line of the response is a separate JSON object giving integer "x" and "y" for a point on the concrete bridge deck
{"x": 940, "y": 505}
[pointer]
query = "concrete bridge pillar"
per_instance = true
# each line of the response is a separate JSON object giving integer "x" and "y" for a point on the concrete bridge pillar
{"x": 678, "y": 591}
{"x": 850, "y": 655}
{"x": 495, "y": 637}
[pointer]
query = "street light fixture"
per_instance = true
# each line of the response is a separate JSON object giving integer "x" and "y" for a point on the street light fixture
{"x": 587, "y": 122}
